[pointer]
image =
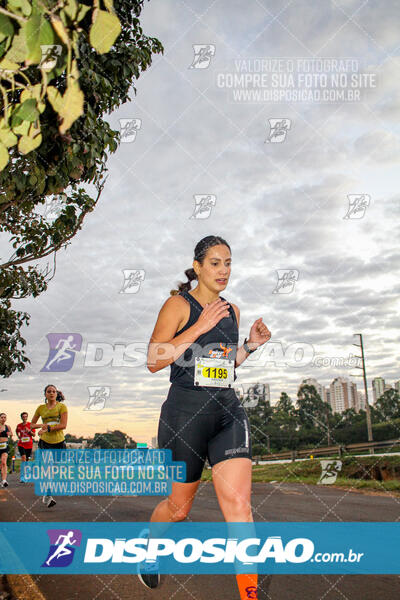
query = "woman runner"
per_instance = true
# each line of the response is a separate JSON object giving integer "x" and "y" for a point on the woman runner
{"x": 202, "y": 416}
{"x": 54, "y": 416}
{"x": 5, "y": 433}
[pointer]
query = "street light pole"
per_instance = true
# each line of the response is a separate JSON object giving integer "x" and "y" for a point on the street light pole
{"x": 367, "y": 407}
{"x": 328, "y": 427}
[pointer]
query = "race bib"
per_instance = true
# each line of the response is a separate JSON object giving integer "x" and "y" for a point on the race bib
{"x": 3, "y": 445}
{"x": 25, "y": 439}
{"x": 214, "y": 372}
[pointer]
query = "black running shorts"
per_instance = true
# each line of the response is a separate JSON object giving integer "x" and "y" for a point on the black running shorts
{"x": 24, "y": 451}
{"x": 47, "y": 446}
{"x": 203, "y": 423}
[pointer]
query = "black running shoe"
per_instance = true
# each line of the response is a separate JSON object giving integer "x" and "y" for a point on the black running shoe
{"x": 148, "y": 571}
{"x": 5, "y": 483}
{"x": 148, "y": 574}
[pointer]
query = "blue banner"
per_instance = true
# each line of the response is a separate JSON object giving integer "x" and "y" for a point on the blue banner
{"x": 279, "y": 548}
{"x": 98, "y": 472}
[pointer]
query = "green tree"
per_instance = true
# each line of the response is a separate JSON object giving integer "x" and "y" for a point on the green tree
{"x": 259, "y": 412}
{"x": 73, "y": 438}
{"x": 286, "y": 420}
{"x": 66, "y": 158}
{"x": 388, "y": 405}
{"x": 259, "y": 432}
{"x": 285, "y": 411}
{"x": 311, "y": 409}
{"x": 112, "y": 439}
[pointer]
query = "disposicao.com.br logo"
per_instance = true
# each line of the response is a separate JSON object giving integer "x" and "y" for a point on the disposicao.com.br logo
{"x": 202, "y": 547}
{"x": 212, "y": 551}
{"x": 166, "y": 551}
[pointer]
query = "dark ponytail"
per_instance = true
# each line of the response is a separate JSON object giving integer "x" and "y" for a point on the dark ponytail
{"x": 200, "y": 252}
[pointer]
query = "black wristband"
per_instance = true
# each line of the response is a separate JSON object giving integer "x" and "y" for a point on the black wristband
{"x": 245, "y": 346}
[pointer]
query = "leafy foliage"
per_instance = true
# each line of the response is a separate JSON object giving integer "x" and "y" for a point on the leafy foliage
{"x": 45, "y": 34}
{"x": 111, "y": 439}
{"x": 74, "y": 144}
{"x": 311, "y": 422}
{"x": 387, "y": 406}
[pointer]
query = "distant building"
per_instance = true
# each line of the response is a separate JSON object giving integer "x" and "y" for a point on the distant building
{"x": 343, "y": 394}
{"x": 378, "y": 388}
{"x": 267, "y": 394}
{"x": 82, "y": 444}
{"x": 320, "y": 389}
{"x": 360, "y": 405}
{"x": 327, "y": 393}
{"x": 397, "y": 386}
{"x": 154, "y": 443}
{"x": 259, "y": 393}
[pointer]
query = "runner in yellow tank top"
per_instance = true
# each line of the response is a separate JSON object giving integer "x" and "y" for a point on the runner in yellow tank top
{"x": 54, "y": 416}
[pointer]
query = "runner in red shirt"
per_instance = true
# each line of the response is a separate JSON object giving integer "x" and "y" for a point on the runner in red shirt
{"x": 25, "y": 435}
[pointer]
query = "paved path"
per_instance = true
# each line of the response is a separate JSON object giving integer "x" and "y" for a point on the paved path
{"x": 271, "y": 502}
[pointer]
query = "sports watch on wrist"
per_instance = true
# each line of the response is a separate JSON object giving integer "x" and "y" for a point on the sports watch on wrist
{"x": 245, "y": 346}
{"x": 48, "y": 428}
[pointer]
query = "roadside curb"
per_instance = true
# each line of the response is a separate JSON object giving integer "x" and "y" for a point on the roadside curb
{"x": 23, "y": 587}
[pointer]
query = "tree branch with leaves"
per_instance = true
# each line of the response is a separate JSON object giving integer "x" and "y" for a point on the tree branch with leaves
{"x": 63, "y": 66}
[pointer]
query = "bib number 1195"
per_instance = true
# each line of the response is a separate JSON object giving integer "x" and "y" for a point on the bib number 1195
{"x": 213, "y": 372}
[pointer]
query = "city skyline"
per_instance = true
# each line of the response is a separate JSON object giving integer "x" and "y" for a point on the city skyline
{"x": 357, "y": 403}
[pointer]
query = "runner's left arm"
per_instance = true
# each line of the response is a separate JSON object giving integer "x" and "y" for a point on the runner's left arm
{"x": 241, "y": 353}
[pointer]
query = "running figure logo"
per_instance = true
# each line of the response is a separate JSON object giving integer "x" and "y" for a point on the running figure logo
{"x": 50, "y": 55}
{"x": 254, "y": 395}
{"x": 330, "y": 471}
{"x": 132, "y": 281}
{"x": 128, "y": 129}
{"x": 62, "y": 351}
{"x": 278, "y": 130}
{"x": 286, "y": 280}
{"x": 54, "y": 207}
{"x": 98, "y": 396}
{"x": 202, "y": 206}
{"x": 62, "y": 547}
{"x": 358, "y": 204}
{"x": 202, "y": 56}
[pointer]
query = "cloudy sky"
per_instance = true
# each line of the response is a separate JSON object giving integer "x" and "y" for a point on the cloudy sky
{"x": 276, "y": 178}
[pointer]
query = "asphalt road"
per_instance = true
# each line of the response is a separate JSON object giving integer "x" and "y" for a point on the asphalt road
{"x": 271, "y": 502}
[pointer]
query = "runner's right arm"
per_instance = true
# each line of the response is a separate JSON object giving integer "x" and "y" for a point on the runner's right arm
{"x": 163, "y": 347}
{"x": 34, "y": 424}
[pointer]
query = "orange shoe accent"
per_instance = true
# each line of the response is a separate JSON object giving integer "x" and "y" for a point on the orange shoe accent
{"x": 247, "y": 585}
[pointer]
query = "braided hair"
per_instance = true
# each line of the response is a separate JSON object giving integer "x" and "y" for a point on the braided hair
{"x": 200, "y": 252}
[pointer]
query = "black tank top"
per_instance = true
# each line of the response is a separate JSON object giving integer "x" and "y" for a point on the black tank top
{"x": 223, "y": 338}
{"x": 4, "y": 432}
